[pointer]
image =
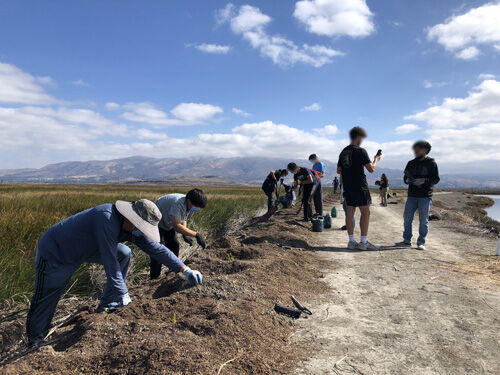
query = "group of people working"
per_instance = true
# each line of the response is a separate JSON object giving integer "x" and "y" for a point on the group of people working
{"x": 97, "y": 235}
{"x": 309, "y": 181}
{"x": 421, "y": 174}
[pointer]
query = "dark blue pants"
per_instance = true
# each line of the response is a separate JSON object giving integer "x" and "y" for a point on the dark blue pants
{"x": 423, "y": 205}
{"x": 317, "y": 194}
{"x": 270, "y": 197}
{"x": 50, "y": 281}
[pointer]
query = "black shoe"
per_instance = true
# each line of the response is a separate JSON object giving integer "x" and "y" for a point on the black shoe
{"x": 343, "y": 228}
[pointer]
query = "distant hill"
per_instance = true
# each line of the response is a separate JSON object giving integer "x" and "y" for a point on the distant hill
{"x": 200, "y": 171}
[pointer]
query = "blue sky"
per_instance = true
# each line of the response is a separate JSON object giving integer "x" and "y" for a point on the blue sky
{"x": 87, "y": 80}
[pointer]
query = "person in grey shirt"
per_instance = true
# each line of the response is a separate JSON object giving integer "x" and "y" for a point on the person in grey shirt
{"x": 176, "y": 209}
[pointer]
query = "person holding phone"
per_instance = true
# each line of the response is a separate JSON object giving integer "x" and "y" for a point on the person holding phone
{"x": 351, "y": 165}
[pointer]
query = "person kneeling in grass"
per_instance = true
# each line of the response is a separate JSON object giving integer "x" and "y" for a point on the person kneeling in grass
{"x": 176, "y": 209}
{"x": 96, "y": 235}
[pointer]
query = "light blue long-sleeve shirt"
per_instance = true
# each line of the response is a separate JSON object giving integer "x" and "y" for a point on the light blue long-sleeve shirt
{"x": 97, "y": 232}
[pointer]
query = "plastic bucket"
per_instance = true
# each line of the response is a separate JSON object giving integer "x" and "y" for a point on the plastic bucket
{"x": 327, "y": 221}
{"x": 317, "y": 224}
{"x": 335, "y": 213}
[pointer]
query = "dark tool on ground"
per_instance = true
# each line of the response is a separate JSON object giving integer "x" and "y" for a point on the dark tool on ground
{"x": 300, "y": 306}
{"x": 287, "y": 311}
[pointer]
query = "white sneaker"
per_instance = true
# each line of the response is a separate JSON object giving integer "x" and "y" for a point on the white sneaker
{"x": 367, "y": 246}
{"x": 352, "y": 245}
{"x": 421, "y": 247}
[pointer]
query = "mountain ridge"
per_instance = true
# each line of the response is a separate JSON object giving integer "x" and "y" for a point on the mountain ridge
{"x": 235, "y": 170}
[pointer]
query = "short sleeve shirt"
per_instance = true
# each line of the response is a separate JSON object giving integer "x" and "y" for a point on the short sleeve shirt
{"x": 172, "y": 205}
{"x": 319, "y": 167}
{"x": 352, "y": 161}
{"x": 303, "y": 175}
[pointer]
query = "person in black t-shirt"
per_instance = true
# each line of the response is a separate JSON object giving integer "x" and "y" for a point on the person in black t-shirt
{"x": 309, "y": 181}
{"x": 352, "y": 161}
{"x": 269, "y": 185}
{"x": 421, "y": 174}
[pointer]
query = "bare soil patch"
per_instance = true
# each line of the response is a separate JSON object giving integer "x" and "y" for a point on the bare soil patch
{"x": 171, "y": 328}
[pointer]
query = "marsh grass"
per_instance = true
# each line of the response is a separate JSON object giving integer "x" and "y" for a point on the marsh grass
{"x": 27, "y": 211}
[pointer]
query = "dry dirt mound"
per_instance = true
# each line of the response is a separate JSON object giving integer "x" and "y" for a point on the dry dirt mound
{"x": 171, "y": 328}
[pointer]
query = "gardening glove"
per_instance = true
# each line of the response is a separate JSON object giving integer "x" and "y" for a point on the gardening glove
{"x": 194, "y": 277}
{"x": 201, "y": 241}
{"x": 187, "y": 239}
{"x": 417, "y": 181}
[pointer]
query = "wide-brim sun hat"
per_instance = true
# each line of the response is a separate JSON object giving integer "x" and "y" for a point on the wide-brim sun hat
{"x": 143, "y": 214}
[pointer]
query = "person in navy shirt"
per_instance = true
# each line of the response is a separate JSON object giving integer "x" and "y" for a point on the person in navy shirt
{"x": 96, "y": 235}
{"x": 320, "y": 169}
{"x": 309, "y": 181}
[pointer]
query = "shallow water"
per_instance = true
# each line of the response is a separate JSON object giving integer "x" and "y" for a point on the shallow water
{"x": 494, "y": 211}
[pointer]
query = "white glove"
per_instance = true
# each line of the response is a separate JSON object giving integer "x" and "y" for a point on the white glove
{"x": 194, "y": 277}
{"x": 125, "y": 299}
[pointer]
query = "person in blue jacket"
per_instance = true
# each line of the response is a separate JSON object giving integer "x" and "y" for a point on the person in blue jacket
{"x": 96, "y": 235}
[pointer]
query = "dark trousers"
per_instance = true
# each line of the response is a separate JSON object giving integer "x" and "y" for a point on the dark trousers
{"x": 310, "y": 192}
{"x": 51, "y": 280}
{"x": 317, "y": 195}
{"x": 270, "y": 198}
{"x": 306, "y": 200}
{"x": 169, "y": 239}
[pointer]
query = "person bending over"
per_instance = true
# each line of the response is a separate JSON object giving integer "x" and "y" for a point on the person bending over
{"x": 270, "y": 184}
{"x": 96, "y": 235}
{"x": 176, "y": 209}
{"x": 421, "y": 174}
{"x": 308, "y": 180}
{"x": 351, "y": 165}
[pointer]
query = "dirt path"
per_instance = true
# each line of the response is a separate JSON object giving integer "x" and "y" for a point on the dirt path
{"x": 404, "y": 311}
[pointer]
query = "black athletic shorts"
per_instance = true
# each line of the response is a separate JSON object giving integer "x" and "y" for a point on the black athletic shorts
{"x": 358, "y": 197}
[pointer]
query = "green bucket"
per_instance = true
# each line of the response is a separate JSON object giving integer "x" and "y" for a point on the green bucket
{"x": 317, "y": 224}
{"x": 335, "y": 213}
{"x": 327, "y": 221}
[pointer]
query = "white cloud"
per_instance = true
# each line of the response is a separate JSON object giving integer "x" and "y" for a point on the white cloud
{"x": 248, "y": 18}
{"x": 17, "y": 86}
{"x": 327, "y": 130}
{"x": 482, "y": 105}
{"x": 407, "y": 128}
{"x": 462, "y": 34}
{"x": 480, "y": 143}
{"x": 195, "y": 113}
{"x": 213, "y": 48}
{"x": 468, "y": 126}
{"x": 80, "y": 82}
{"x": 46, "y": 81}
{"x": 224, "y": 15}
{"x": 184, "y": 113}
{"x": 250, "y": 23}
{"x": 468, "y": 53}
{"x": 312, "y": 108}
{"x": 484, "y": 76}
{"x": 112, "y": 106}
{"x": 335, "y": 17}
{"x": 429, "y": 84}
{"x": 240, "y": 112}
